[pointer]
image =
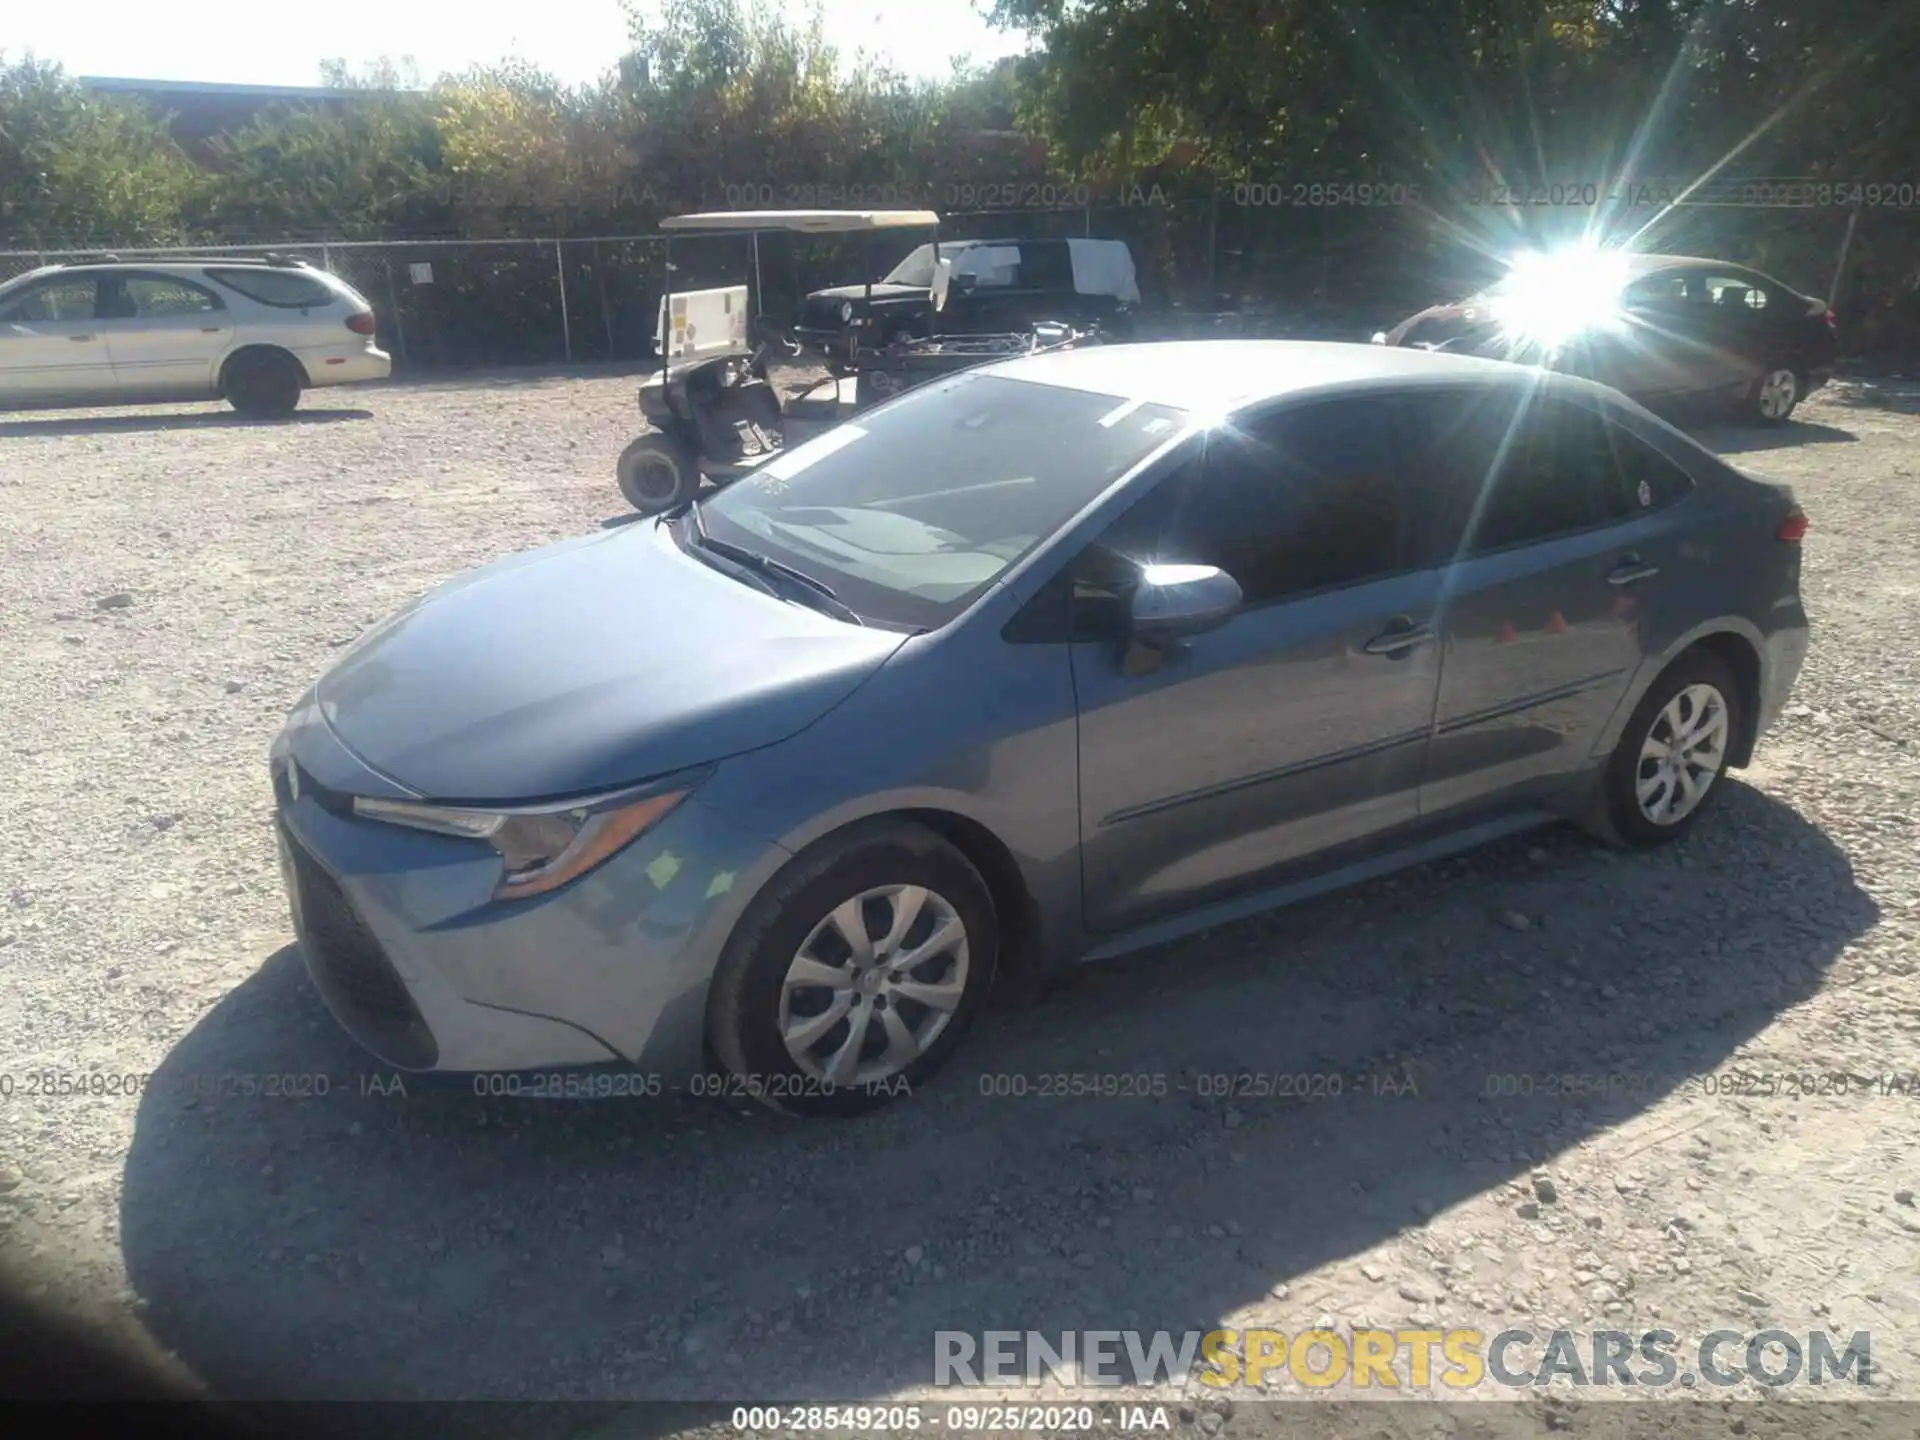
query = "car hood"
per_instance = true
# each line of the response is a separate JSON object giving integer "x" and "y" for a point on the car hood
{"x": 880, "y": 292}
{"x": 587, "y": 665}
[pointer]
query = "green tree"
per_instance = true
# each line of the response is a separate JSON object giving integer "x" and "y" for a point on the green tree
{"x": 368, "y": 166}
{"x": 80, "y": 168}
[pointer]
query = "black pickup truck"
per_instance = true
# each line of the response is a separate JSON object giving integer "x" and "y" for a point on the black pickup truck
{"x": 976, "y": 287}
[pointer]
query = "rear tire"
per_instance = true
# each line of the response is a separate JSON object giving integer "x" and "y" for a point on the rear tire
{"x": 811, "y": 1024}
{"x": 657, "y": 472}
{"x": 1776, "y": 393}
{"x": 263, "y": 385}
{"x": 1654, "y": 788}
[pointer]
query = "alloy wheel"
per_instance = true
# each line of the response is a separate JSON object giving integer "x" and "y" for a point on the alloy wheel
{"x": 1683, "y": 754}
{"x": 1779, "y": 390}
{"x": 874, "y": 985}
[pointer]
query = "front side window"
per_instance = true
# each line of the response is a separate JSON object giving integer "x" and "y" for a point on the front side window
{"x": 1290, "y": 505}
{"x": 53, "y": 302}
{"x": 1666, "y": 290}
{"x": 911, "y": 512}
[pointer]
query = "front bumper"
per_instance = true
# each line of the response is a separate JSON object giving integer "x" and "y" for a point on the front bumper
{"x": 424, "y": 969}
{"x": 836, "y": 344}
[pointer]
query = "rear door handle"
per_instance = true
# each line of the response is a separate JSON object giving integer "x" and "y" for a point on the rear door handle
{"x": 79, "y": 339}
{"x": 1399, "y": 641}
{"x": 1631, "y": 569}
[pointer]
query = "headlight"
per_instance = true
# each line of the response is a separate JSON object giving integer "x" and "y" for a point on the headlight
{"x": 540, "y": 848}
{"x": 846, "y": 312}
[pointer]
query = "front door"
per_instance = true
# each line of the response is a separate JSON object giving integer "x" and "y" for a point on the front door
{"x": 1654, "y": 350}
{"x": 1559, "y": 565}
{"x": 166, "y": 335}
{"x": 51, "y": 347}
{"x": 1215, "y": 766}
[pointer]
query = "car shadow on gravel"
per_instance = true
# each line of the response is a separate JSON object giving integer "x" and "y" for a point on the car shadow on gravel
{"x": 1158, "y": 1143}
{"x": 1900, "y": 396}
{"x": 1725, "y": 439}
{"x": 191, "y": 420}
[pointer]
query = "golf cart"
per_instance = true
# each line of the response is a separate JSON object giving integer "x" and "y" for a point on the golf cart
{"x": 712, "y": 411}
{"x": 710, "y": 406}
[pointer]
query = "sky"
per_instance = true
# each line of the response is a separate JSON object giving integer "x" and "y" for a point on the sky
{"x": 575, "y": 39}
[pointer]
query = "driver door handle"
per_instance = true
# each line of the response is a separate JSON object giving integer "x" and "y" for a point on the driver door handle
{"x": 1630, "y": 569}
{"x": 1399, "y": 640}
{"x": 79, "y": 339}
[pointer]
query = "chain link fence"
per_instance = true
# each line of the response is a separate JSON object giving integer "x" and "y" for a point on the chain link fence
{"x": 1214, "y": 258}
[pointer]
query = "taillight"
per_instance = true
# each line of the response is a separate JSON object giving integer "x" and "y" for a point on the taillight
{"x": 1793, "y": 529}
{"x": 1833, "y": 321}
{"x": 361, "y": 324}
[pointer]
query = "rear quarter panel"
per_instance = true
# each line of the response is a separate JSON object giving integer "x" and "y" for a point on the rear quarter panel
{"x": 1729, "y": 574}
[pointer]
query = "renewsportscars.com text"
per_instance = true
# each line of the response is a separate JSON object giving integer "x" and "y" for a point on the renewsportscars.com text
{"x": 1453, "y": 1359}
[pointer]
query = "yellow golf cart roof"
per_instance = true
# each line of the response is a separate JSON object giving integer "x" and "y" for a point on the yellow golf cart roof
{"x": 805, "y": 222}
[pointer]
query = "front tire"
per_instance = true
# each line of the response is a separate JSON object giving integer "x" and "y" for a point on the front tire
{"x": 263, "y": 385}
{"x": 854, "y": 975}
{"x": 657, "y": 472}
{"x": 1672, "y": 758}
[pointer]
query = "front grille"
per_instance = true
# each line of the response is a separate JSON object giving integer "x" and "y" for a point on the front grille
{"x": 351, "y": 970}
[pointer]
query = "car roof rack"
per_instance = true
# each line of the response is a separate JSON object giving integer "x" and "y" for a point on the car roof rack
{"x": 271, "y": 257}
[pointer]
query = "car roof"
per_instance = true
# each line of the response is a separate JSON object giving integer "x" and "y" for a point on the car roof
{"x": 1223, "y": 376}
{"x": 1640, "y": 266}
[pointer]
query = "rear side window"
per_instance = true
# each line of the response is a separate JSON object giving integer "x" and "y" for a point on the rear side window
{"x": 1651, "y": 481}
{"x": 140, "y": 295}
{"x": 1493, "y": 469}
{"x": 291, "y": 289}
{"x": 1046, "y": 265}
{"x": 1559, "y": 477}
{"x": 1737, "y": 293}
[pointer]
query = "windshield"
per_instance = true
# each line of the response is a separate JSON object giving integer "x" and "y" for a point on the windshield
{"x": 916, "y": 269}
{"x": 915, "y": 510}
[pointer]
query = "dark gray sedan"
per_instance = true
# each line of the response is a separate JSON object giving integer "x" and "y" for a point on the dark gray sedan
{"x": 1038, "y": 664}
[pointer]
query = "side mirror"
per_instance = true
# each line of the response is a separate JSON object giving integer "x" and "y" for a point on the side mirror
{"x": 1175, "y": 601}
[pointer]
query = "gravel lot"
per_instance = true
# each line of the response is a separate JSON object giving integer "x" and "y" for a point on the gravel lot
{"x": 173, "y": 580}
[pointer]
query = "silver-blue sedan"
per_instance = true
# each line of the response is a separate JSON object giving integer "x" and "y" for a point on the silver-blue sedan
{"x": 1038, "y": 664}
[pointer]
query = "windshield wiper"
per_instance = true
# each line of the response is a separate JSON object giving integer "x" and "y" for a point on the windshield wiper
{"x": 818, "y": 593}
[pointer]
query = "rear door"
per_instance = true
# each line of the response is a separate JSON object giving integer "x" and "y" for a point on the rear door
{"x": 166, "y": 334}
{"x": 1739, "y": 317}
{"x": 1560, "y": 557}
{"x": 1656, "y": 351}
{"x": 51, "y": 347}
{"x": 1214, "y": 767}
